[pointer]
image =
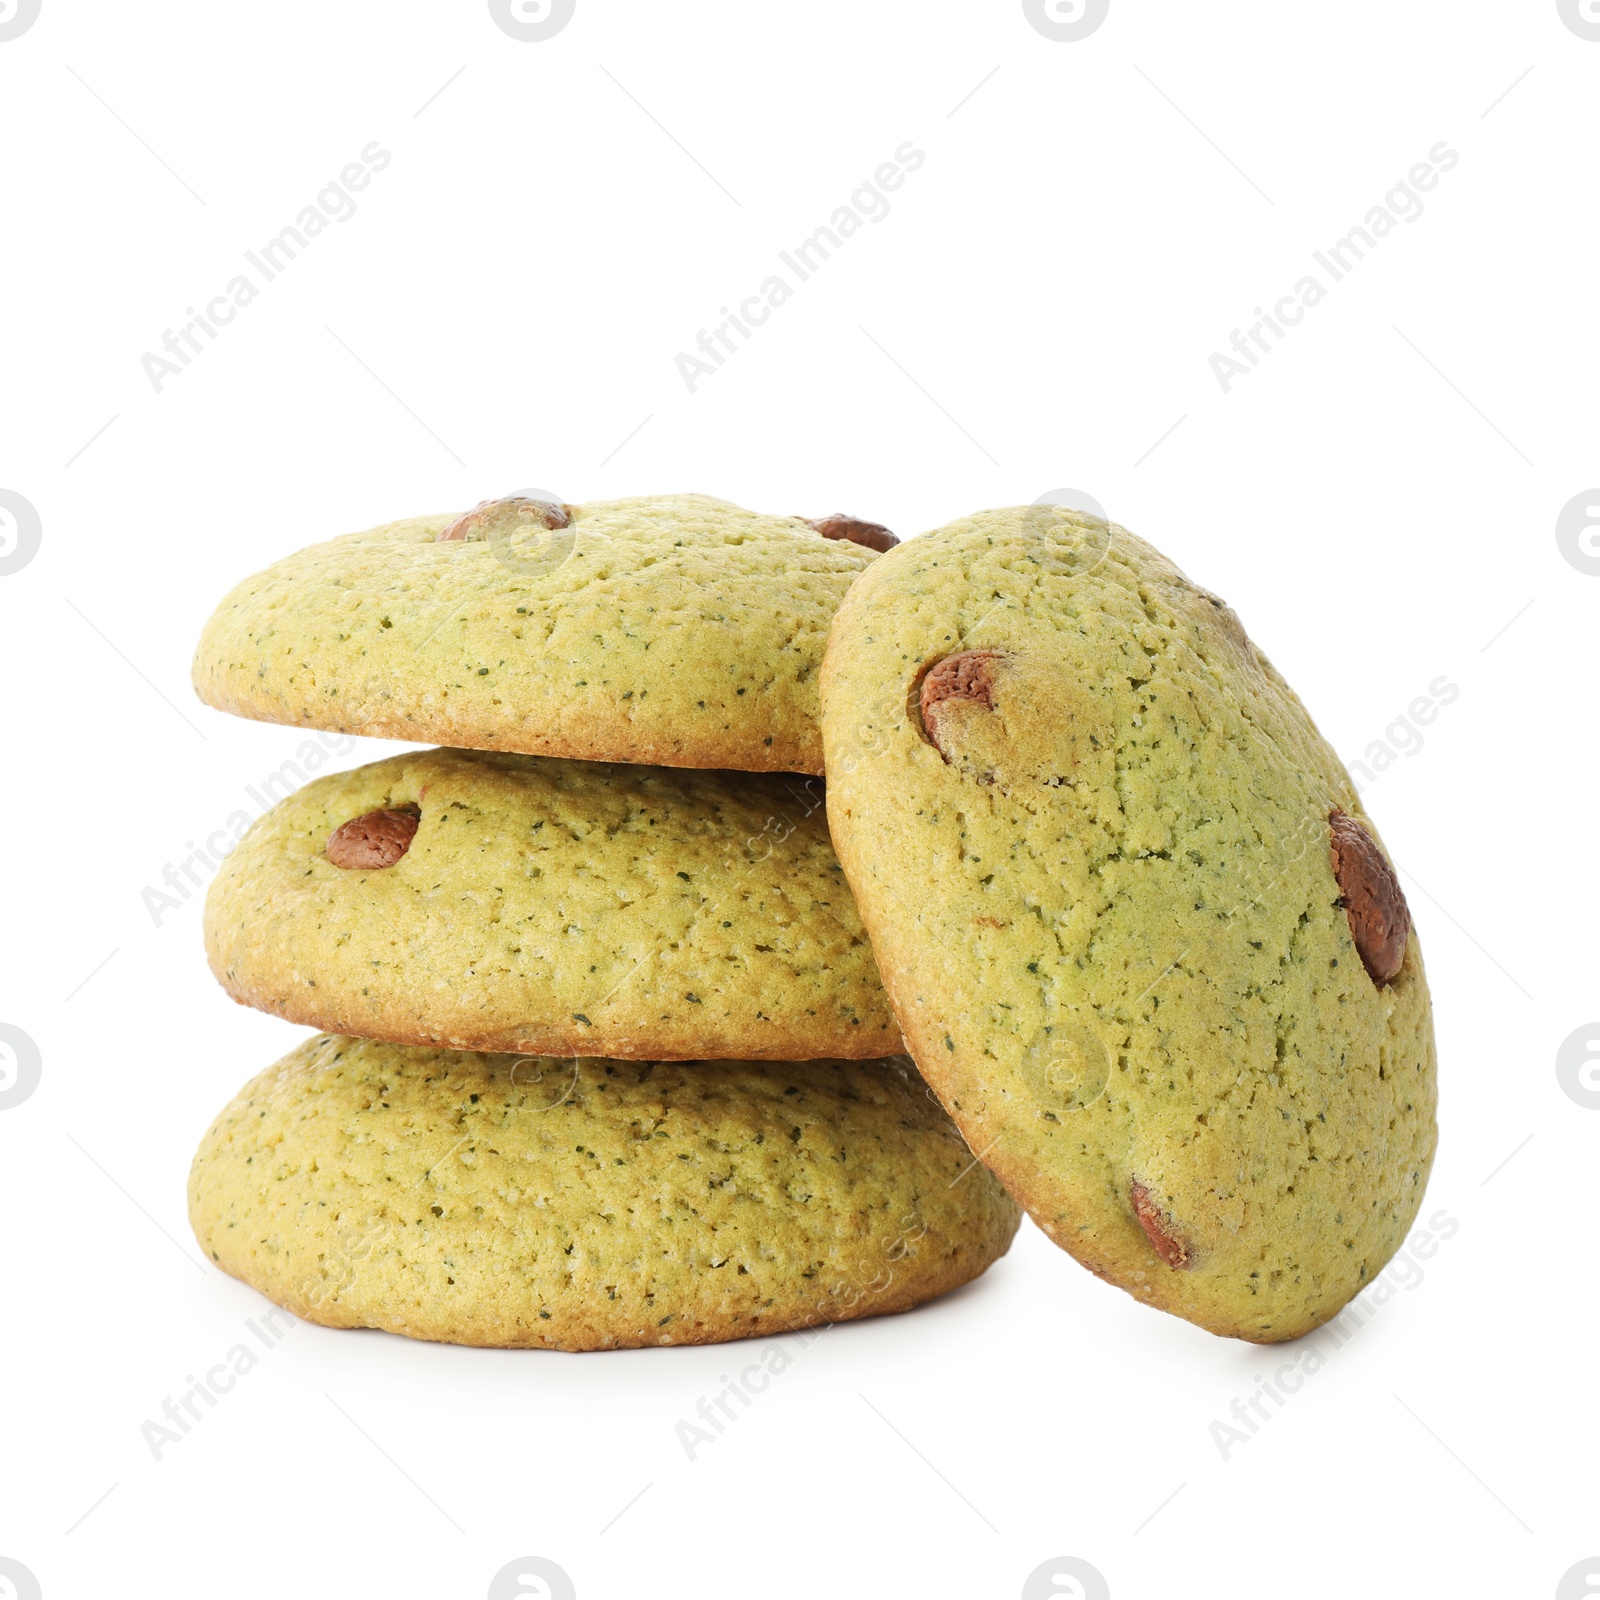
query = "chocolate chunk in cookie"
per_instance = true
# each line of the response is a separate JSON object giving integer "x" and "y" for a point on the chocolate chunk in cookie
{"x": 966, "y": 678}
{"x": 490, "y": 517}
{"x": 871, "y": 534}
{"x": 1380, "y": 920}
{"x": 378, "y": 839}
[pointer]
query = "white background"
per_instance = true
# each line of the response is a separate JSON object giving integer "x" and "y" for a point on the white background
{"x": 1378, "y": 499}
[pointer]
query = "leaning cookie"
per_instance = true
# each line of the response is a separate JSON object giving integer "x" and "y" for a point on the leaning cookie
{"x": 519, "y": 1201}
{"x": 676, "y": 630}
{"x": 1137, "y": 929}
{"x": 500, "y": 902}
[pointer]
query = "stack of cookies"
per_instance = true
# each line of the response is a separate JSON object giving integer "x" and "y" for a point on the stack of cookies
{"x": 612, "y": 1039}
{"x": 604, "y": 1057}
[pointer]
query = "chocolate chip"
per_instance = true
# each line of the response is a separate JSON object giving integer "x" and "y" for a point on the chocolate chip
{"x": 871, "y": 534}
{"x": 504, "y": 516}
{"x": 1158, "y": 1228}
{"x": 969, "y": 676}
{"x": 378, "y": 839}
{"x": 1380, "y": 920}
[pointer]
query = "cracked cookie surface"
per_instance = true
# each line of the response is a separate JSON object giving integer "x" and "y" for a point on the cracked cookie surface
{"x": 1096, "y": 861}
{"x": 676, "y": 630}
{"x": 519, "y": 1201}
{"x": 552, "y": 907}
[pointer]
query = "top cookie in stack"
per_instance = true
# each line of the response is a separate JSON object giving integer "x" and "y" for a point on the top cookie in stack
{"x": 674, "y": 630}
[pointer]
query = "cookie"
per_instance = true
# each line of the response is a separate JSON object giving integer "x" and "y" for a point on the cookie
{"x": 674, "y": 630}
{"x": 499, "y": 902}
{"x": 588, "y": 1204}
{"x": 1139, "y": 933}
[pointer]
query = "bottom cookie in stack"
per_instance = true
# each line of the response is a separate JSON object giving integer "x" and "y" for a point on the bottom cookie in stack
{"x": 585, "y": 1204}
